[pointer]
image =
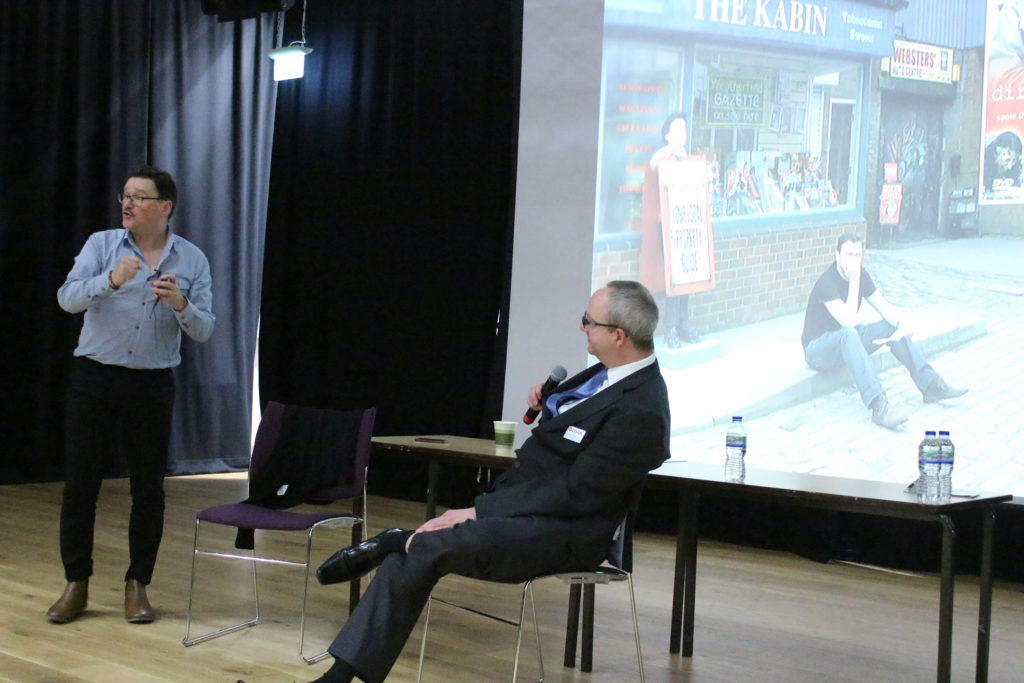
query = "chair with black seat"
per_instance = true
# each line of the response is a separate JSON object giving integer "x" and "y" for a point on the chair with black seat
{"x": 618, "y": 566}
{"x": 300, "y": 455}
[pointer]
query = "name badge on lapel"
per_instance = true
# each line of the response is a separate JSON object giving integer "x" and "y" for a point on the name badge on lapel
{"x": 574, "y": 434}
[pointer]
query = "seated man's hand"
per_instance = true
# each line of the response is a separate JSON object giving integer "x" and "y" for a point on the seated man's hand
{"x": 533, "y": 398}
{"x": 445, "y": 521}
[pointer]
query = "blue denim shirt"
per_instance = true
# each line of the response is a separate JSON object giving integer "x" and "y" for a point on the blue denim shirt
{"x": 128, "y": 326}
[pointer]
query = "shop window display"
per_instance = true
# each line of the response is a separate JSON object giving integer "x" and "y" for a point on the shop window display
{"x": 777, "y": 132}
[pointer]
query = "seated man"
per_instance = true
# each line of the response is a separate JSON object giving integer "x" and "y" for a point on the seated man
{"x": 600, "y": 433}
{"x": 832, "y": 338}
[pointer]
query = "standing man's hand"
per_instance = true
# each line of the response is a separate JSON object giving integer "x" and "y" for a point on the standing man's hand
{"x": 125, "y": 270}
{"x": 167, "y": 290}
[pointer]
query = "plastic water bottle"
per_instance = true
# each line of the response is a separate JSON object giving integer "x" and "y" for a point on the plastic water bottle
{"x": 946, "y": 452}
{"x": 928, "y": 466}
{"x": 735, "y": 450}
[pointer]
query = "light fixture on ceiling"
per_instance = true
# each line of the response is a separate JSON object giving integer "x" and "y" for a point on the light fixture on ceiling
{"x": 289, "y": 61}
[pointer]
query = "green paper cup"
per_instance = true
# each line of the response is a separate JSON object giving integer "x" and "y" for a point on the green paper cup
{"x": 504, "y": 433}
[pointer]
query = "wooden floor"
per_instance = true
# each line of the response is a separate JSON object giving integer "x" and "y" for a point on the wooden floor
{"x": 761, "y": 616}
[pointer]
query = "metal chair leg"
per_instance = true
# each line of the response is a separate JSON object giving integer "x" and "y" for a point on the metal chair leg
{"x": 302, "y": 617}
{"x": 636, "y": 626}
{"x": 536, "y": 633}
{"x": 254, "y": 561}
{"x": 189, "y": 642}
{"x": 527, "y": 590}
{"x": 423, "y": 642}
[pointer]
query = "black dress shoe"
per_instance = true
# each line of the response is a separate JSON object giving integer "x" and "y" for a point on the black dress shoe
{"x": 358, "y": 560}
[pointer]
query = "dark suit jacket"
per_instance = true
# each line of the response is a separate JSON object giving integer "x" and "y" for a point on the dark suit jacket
{"x": 625, "y": 434}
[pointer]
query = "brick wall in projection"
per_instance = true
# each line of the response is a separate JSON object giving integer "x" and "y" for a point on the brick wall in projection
{"x": 760, "y": 274}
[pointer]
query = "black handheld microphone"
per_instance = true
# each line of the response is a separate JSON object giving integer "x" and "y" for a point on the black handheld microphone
{"x": 556, "y": 377}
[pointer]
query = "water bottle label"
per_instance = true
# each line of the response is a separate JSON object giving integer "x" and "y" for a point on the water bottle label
{"x": 734, "y": 441}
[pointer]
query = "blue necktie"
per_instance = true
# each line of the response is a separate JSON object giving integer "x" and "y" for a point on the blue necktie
{"x": 581, "y": 392}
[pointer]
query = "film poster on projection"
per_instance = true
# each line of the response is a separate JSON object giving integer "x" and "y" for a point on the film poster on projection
{"x": 1002, "y": 170}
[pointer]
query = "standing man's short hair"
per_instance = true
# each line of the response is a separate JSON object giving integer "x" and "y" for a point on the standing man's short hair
{"x": 848, "y": 237}
{"x": 632, "y": 309}
{"x": 166, "y": 189}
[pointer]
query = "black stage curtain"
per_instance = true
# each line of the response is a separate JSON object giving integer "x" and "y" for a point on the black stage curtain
{"x": 90, "y": 89}
{"x": 389, "y": 225}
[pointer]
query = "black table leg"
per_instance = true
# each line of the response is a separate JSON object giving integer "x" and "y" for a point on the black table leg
{"x": 691, "y": 575}
{"x": 685, "y": 574}
{"x": 676, "y": 621}
{"x": 572, "y": 625}
{"x": 587, "y": 630}
{"x": 985, "y": 596}
{"x": 943, "y": 670}
{"x": 432, "y": 470}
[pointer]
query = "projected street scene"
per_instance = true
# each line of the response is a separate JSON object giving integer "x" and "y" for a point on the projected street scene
{"x": 733, "y": 156}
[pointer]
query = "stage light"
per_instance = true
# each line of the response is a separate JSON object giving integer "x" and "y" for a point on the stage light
{"x": 290, "y": 61}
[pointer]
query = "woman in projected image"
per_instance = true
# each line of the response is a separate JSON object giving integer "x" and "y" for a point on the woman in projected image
{"x": 652, "y": 260}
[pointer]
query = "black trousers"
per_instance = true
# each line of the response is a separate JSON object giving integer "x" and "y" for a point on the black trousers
{"x": 510, "y": 549}
{"x": 104, "y": 402}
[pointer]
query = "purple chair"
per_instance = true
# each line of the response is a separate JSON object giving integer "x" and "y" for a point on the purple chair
{"x": 299, "y": 455}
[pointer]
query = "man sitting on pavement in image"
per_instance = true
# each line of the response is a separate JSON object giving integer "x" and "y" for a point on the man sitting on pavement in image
{"x": 832, "y": 338}
{"x": 600, "y": 433}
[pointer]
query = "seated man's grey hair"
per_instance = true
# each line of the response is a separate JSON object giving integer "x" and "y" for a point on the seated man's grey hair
{"x": 631, "y": 308}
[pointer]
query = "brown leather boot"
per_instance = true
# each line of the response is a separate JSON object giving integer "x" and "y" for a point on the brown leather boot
{"x": 137, "y": 609}
{"x": 70, "y": 604}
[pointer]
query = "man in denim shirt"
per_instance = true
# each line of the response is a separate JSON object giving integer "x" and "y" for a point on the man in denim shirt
{"x": 139, "y": 287}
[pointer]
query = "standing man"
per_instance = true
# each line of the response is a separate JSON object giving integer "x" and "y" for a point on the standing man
{"x": 832, "y": 338}
{"x": 557, "y": 510}
{"x": 140, "y": 287}
{"x": 652, "y": 259}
